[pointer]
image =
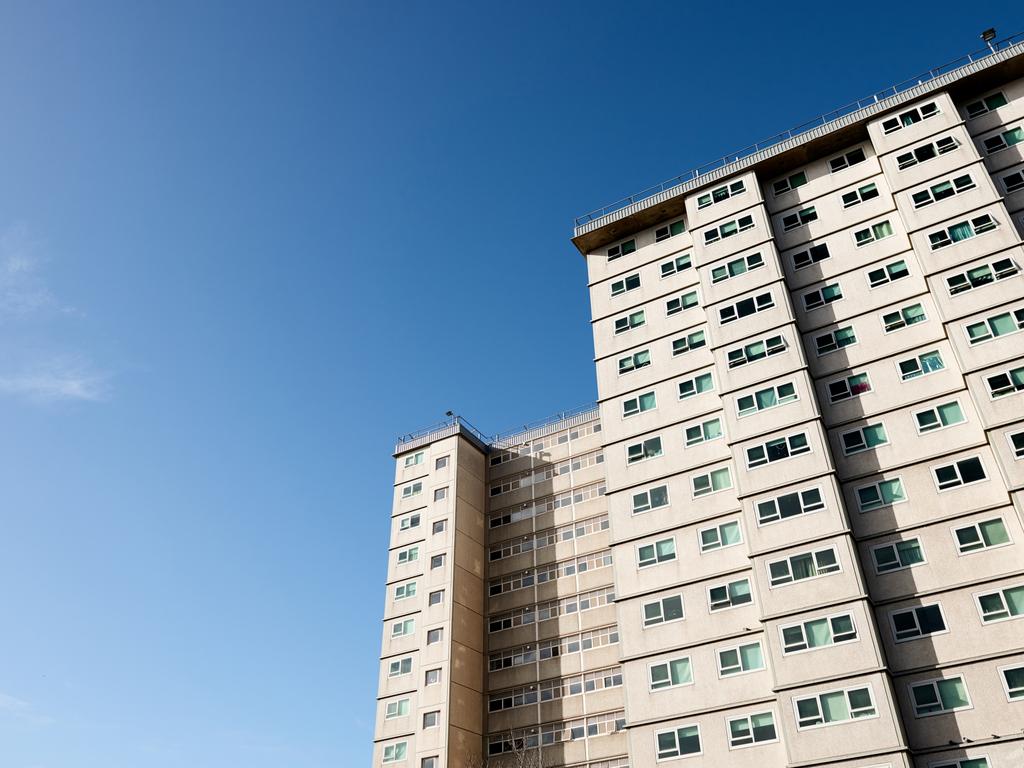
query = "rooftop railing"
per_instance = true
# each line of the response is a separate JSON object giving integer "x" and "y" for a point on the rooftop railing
{"x": 456, "y": 425}
{"x": 817, "y": 122}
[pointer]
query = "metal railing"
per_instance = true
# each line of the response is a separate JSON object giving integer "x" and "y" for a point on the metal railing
{"x": 457, "y": 424}
{"x": 817, "y": 122}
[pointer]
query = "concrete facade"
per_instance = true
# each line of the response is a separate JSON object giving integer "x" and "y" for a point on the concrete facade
{"x": 791, "y": 532}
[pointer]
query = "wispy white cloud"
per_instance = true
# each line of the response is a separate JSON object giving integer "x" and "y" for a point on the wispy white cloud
{"x": 23, "y": 291}
{"x": 19, "y": 709}
{"x": 57, "y": 379}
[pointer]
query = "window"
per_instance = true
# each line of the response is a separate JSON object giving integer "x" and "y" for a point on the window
{"x": 626, "y": 284}
{"x": 942, "y": 415}
{"x": 437, "y": 561}
{"x": 911, "y": 116}
{"x": 835, "y": 340}
{"x": 412, "y": 490}
{"x": 630, "y": 363}
{"x": 1013, "y": 682}
{"x": 440, "y": 494}
{"x": 897, "y": 555}
{"x": 973, "y": 762}
{"x": 408, "y": 555}
{"x": 741, "y": 658}
{"x": 980, "y": 276}
{"x": 818, "y": 633}
{"x": 926, "y": 152}
{"x": 788, "y": 184}
{"x": 679, "y": 303}
{"x": 395, "y": 709}
{"x": 396, "y": 752}
{"x": 879, "y": 231}
{"x": 763, "y": 399}
{"x": 982, "y": 535}
{"x": 728, "y": 229}
{"x": 416, "y": 458}
{"x": 849, "y": 387}
{"x": 652, "y": 498}
{"x": 789, "y": 505}
{"x": 963, "y": 472}
{"x": 622, "y": 249}
{"x": 648, "y": 449}
{"x": 758, "y": 728}
{"x": 731, "y": 595}
{"x": 712, "y": 482}
{"x": 664, "y": 610}
{"x": 630, "y": 321}
{"x": 822, "y": 296}
{"x": 669, "y": 230}
{"x": 429, "y": 762}
{"x": 678, "y": 264}
{"x": 409, "y": 522}
{"x": 812, "y": 255}
{"x": 852, "y": 157}
{"x": 995, "y": 326}
{"x": 436, "y": 598}
{"x": 687, "y": 343}
{"x": 863, "y": 438}
{"x": 737, "y": 267}
{"x": 432, "y": 677}
{"x": 439, "y": 526}
{"x": 859, "y": 195}
{"x": 678, "y": 742}
{"x": 403, "y": 591}
{"x": 1001, "y": 605}
{"x": 695, "y": 386}
{"x": 638, "y": 404}
{"x": 922, "y": 365}
{"x": 670, "y": 674}
{"x": 720, "y": 537}
{"x": 920, "y": 621}
{"x": 884, "y": 493}
{"x": 720, "y": 194}
{"x": 1013, "y": 181}
{"x": 1004, "y": 140}
{"x": 746, "y": 307}
{"x": 777, "y": 450}
{"x": 1005, "y": 383}
{"x": 1016, "y": 444}
{"x": 985, "y": 105}
{"x": 441, "y": 463}
{"x": 895, "y": 321}
{"x": 934, "y": 697}
{"x": 702, "y": 433}
{"x": 403, "y": 628}
{"x": 963, "y": 230}
{"x": 400, "y": 667}
{"x": 801, "y": 218}
{"x": 806, "y": 565}
{"x": 653, "y": 554}
{"x": 887, "y": 274}
{"x": 431, "y": 719}
{"x": 834, "y": 707}
{"x": 942, "y": 190}
{"x": 756, "y": 350}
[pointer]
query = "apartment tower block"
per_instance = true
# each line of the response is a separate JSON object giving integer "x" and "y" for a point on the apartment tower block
{"x": 790, "y": 532}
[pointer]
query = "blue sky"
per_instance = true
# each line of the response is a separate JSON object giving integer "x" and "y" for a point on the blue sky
{"x": 241, "y": 251}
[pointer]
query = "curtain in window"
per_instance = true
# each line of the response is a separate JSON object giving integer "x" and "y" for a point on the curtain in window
{"x": 960, "y": 231}
{"x": 802, "y": 566}
{"x": 764, "y": 726}
{"x": 739, "y": 591}
{"x": 666, "y": 549}
{"x": 892, "y": 490}
{"x": 874, "y": 434}
{"x": 681, "y": 671}
{"x": 994, "y": 532}
{"x": 1002, "y": 324}
{"x": 647, "y": 401}
{"x": 834, "y": 707}
{"x": 953, "y": 693}
{"x": 818, "y": 633}
{"x": 931, "y": 362}
{"x": 766, "y": 399}
{"x": 751, "y": 656}
{"x": 730, "y": 534}
{"x": 914, "y": 314}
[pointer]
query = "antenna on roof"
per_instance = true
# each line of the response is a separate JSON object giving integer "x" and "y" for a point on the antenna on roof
{"x": 988, "y": 36}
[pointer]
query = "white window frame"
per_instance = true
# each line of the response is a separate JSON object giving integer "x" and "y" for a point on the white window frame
{"x": 729, "y": 720}
{"x": 912, "y": 609}
{"x": 779, "y": 400}
{"x": 895, "y": 549}
{"x": 976, "y": 526}
{"x": 628, "y": 414}
{"x": 666, "y": 663}
{"x": 774, "y": 500}
{"x": 726, "y": 585}
{"x": 934, "y": 681}
{"x": 711, "y": 491}
{"x": 935, "y": 409}
{"x": 814, "y": 555}
{"x": 650, "y": 504}
{"x": 956, "y": 465}
{"x": 694, "y": 379}
{"x": 888, "y": 275}
{"x": 718, "y": 528}
{"x": 808, "y": 449}
{"x": 846, "y": 380}
{"x": 1006, "y": 683}
{"x": 846, "y": 691}
{"x": 722, "y": 675}
{"x": 661, "y": 602}
{"x": 624, "y": 282}
{"x": 877, "y": 485}
{"x": 746, "y": 260}
{"x": 1000, "y": 591}
{"x": 860, "y": 431}
{"x": 803, "y": 631}
{"x": 641, "y": 565}
{"x": 643, "y": 451}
